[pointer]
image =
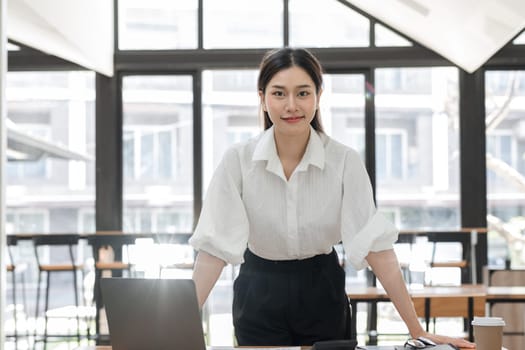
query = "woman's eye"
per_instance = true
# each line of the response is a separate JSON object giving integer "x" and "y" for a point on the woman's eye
{"x": 304, "y": 93}
{"x": 277, "y": 93}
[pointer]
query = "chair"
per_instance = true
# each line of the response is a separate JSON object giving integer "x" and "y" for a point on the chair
{"x": 107, "y": 252}
{"x": 66, "y": 262}
{"x": 13, "y": 269}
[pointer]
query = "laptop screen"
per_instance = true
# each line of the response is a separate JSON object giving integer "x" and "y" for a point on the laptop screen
{"x": 160, "y": 314}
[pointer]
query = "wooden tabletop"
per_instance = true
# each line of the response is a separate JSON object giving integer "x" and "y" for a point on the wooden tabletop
{"x": 505, "y": 293}
{"x": 367, "y": 347}
{"x": 466, "y": 290}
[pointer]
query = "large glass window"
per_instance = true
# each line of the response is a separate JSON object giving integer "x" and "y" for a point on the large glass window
{"x": 386, "y": 37}
{"x": 417, "y": 149}
{"x": 327, "y": 24}
{"x": 157, "y": 24}
{"x": 51, "y": 150}
{"x": 520, "y": 40}
{"x": 158, "y": 153}
{"x": 505, "y": 155}
{"x": 243, "y": 23}
{"x": 343, "y": 109}
{"x": 230, "y": 113}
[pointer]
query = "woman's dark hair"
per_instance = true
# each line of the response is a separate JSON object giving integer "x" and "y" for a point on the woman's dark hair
{"x": 275, "y": 61}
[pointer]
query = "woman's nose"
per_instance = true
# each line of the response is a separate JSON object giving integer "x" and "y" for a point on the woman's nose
{"x": 291, "y": 103}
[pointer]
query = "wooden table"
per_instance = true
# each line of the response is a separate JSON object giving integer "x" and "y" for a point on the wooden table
{"x": 456, "y": 301}
{"x": 505, "y": 295}
{"x": 228, "y": 348}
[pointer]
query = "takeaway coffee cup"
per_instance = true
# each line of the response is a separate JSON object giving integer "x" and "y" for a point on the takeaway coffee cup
{"x": 488, "y": 332}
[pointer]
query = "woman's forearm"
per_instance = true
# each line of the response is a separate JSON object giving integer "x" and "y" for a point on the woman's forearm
{"x": 386, "y": 268}
{"x": 206, "y": 272}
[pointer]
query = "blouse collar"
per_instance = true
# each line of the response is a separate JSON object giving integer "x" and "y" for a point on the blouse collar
{"x": 266, "y": 150}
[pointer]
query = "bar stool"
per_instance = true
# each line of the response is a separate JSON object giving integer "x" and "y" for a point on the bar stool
{"x": 14, "y": 269}
{"x": 107, "y": 251}
{"x": 68, "y": 264}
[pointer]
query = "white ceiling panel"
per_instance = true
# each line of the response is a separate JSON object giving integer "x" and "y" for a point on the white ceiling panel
{"x": 466, "y": 32}
{"x": 77, "y": 31}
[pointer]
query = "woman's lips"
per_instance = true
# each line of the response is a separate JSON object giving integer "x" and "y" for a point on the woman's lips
{"x": 293, "y": 119}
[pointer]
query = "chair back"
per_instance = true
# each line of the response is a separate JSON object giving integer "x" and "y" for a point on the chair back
{"x": 11, "y": 240}
{"x": 60, "y": 242}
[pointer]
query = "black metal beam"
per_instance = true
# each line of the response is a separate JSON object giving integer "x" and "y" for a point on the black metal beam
{"x": 108, "y": 204}
{"x": 27, "y": 59}
{"x": 197, "y": 147}
{"x": 331, "y": 58}
{"x": 472, "y": 158}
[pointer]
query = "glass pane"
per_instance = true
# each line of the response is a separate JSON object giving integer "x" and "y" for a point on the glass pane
{"x": 505, "y": 147}
{"x": 157, "y": 24}
{"x": 243, "y": 24}
{"x": 230, "y": 113}
{"x": 343, "y": 109}
{"x": 12, "y": 47}
{"x": 386, "y": 37}
{"x": 520, "y": 40}
{"x": 417, "y": 146}
{"x": 158, "y": 153}
{"x": 327, "y": 23}
{"x": 343, "y": 117}
{"x": 51, "y": 150}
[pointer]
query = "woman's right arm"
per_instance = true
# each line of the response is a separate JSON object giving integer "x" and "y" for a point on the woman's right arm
{"x": 206, "y": 272}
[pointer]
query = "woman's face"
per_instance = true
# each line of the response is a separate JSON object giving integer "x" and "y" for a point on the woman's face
{"x": 291, "y": 101}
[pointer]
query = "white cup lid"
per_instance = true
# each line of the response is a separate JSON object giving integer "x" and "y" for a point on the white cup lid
{"x": 488, "y": 321}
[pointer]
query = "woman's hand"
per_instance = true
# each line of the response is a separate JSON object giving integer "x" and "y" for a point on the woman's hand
{"x": 441, "y": 339}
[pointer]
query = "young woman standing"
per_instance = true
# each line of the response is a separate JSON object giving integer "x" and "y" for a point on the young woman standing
{"x": 277, "y": 204}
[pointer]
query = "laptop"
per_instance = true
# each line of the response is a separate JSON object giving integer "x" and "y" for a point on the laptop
{"x": 160, "y": 314}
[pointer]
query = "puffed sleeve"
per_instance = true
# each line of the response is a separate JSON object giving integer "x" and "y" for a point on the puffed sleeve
{"x": 223, "y": 228}
{"x": 364, "y": 229}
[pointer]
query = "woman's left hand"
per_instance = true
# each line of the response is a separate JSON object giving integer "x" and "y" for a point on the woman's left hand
{"x": 441, "y": 339}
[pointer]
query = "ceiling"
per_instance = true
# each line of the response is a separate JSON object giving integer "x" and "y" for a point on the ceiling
{"x": 77, "y": 31}
{"x": 466, "y": 32}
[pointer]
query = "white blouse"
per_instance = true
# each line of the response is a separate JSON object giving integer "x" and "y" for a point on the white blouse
{"x": 327, "y": 199}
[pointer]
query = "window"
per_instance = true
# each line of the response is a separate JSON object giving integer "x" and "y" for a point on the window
{"x": 230, "y": 113}
{"x": 391, "y": 149}
{"x": 343, "y": 109}
{"x": 51, "y": 123}
{"x": 158, "y": 153}
{"x": 520, "y": 40}
{"x": 327, "y": 24}
{"x": 501, "y": 149}
{"x": 386, "y": 37}
{"x": 417, "y": 146}
{"x": 505, "y": 147}
{"x": 158, "y": 220}
{"x": 243, "y": 24}
{"x": 27, "y": 221}
{"x": 19, "y": 170}
{"x": 86, "y": 221}
{"x": 150, "y": 153}
{"x": 157, "y": 25}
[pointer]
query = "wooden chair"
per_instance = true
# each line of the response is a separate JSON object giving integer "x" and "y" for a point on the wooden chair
{"x": 64, "y": 244}
{"x": 110, "y": 243}
{"x": 13, "y": 269}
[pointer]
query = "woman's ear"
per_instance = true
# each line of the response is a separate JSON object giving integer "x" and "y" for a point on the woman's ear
{"x": 261, "y": 100}
{"x": 319, "y": 97}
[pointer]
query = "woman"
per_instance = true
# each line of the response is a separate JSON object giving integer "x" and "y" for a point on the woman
{"x": 278, "y": 204}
